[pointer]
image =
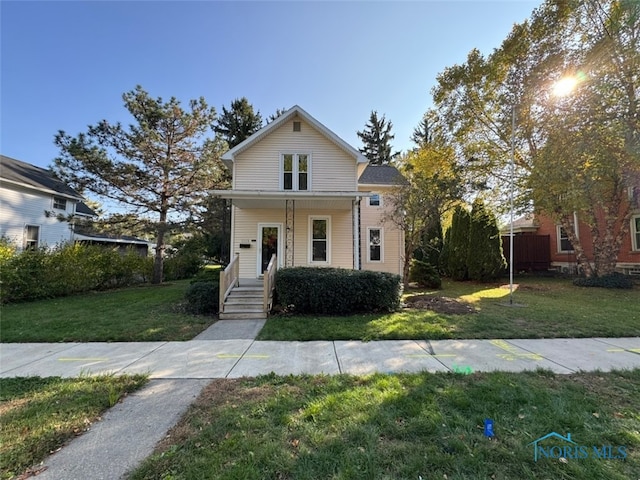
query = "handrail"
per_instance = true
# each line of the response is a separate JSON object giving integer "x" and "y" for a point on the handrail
{"x": 229, "y": 278}
{"x": 269, "y": 283}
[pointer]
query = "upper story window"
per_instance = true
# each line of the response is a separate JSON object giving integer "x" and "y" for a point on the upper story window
{"x": 295, "y": 171}
{"x": 375, "y": 200}
{"x": 59, "y": 203}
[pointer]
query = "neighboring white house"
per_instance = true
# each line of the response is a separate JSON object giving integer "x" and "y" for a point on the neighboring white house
{"x": 302, "y": 193}
{"x": 33, "y": 202}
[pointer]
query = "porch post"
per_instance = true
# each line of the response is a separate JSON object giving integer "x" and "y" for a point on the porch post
{"x": 289, "y": 225}
{"x": 355, "y": 205}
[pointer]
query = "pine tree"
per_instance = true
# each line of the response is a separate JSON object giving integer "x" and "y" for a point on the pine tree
{"x": 458, "y": 247}
{"x": 485, "y": 261}
{"x": 376, "y": 138}
{"x": 239, "y": 122}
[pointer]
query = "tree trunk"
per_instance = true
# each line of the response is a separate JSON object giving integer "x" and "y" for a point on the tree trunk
{"x": 158, "y": 261}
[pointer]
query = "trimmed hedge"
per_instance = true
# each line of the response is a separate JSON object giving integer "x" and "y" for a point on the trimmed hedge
{"x": 614, "y": 280}
{"x": 203, "y": 297}
{"x": 336, "y": 291}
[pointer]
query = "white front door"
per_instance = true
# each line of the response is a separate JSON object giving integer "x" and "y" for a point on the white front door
{"x": 269, "y": 242}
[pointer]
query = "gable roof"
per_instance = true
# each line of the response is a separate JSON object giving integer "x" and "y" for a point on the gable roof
{"x": 381, "y": 175}
{"x": 293, "y": 112}
{"x": 27, "y": 175}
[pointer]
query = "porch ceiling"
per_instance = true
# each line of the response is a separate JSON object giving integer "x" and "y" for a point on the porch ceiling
{"x": 304, "y": 200}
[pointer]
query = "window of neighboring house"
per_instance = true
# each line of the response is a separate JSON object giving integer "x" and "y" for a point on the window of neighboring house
{"x": 375, "y": 200}
{"x": 295, "y": 171}
{"x": 31, "y": 237}
{"x": 59, "y": 203}
{"x": 320, "y": 239}
{"x": 374, "y": 239}
{"x": 635, "y": 232}
{"x": 564, "y": 245}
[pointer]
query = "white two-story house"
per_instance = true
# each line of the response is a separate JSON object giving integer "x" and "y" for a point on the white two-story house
{"x": 302, "y": 193}
{"x": 35, "y": 207}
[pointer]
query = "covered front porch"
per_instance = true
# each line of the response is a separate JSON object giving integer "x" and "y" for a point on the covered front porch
{"x": 300, "y": 228}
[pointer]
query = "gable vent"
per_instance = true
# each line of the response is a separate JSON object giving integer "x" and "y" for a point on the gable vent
{"x": 296, "y": 126}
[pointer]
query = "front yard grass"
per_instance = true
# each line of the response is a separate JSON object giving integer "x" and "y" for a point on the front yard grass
{"x": 553, "y": 308}
{"x": 406, "y": 426}
{"x": 38, "y": 415}
{"x": 137, "y": 314}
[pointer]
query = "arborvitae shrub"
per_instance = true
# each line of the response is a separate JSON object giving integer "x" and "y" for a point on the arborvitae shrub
{"x": 458, "y": 247}
{"x": 485, "y": 261}
{"x": 336, "y": 291}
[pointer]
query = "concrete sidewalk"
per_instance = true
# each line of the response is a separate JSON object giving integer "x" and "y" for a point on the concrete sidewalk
{"x": 238, "y": 357}
{"x": 128, "y": 432}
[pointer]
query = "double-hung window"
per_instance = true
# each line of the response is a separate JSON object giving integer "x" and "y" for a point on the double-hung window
{"x": 31, "y": 237}
{"x": 635, "y": 232}
{"x": 295, "y": 171}
{"x": 59, "y": 203}
{"x": 375, "y": 200}
{"x": 320, "y": 240}
{"x": 564, "y": 244}
{"x": 374, "y": 244}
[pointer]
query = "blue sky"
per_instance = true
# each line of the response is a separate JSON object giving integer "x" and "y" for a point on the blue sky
{"x": 65, "y": 65}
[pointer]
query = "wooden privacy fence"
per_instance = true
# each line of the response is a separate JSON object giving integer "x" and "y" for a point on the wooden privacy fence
{"x": 530, "y": 252}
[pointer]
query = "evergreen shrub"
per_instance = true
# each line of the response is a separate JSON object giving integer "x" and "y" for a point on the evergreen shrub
{"x": 203, "y": 298}
{"x": 337, "y": 291}
{"x": 424, "y": 274}
{"x": 614, "y": 280}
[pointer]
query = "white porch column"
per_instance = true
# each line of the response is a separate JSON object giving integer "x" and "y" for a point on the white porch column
{"x": 356, "y": 233}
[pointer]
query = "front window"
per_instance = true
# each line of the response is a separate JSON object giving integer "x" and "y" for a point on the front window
{"x": 564, "y": 244}
{"x": 31, "y": 237}
{"x": 320, "y": 238}
{"x": 635, "y": 232}
{"x": 375, "y": 200}
{"x": 59, "y": 203}
{"x": 295, "y": 171}
{"x": 375, "y": 245}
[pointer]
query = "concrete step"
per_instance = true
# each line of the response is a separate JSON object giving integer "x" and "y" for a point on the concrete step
{"x": 240, "y": 308}
{"x": 242, "y": 316}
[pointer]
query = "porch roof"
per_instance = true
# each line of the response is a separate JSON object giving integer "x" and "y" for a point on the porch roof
{"x": 275, "y": 198}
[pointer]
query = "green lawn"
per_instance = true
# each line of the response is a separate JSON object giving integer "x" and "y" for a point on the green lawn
{"x": 38, "y": 415}
{"x": 407, "y": 426}
{"x": 552, "y": 308}
{"x": 138, "y": 314}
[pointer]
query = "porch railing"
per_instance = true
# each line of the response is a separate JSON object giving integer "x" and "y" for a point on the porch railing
{"x": 229, "y": 278}
{"x": 269, "y": 283}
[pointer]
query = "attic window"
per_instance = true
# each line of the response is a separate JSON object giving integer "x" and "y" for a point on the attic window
{"x": 296, "y": 126}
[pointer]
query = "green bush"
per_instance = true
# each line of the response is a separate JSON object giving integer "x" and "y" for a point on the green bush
{"x": 66, "y": 270}
{"x": 184, "y": 264}
{"x": 424, "y": 274}
{"x": 203, "y": 297}
{"x": 336, "y": 291}
{"x": 614, "y": 280}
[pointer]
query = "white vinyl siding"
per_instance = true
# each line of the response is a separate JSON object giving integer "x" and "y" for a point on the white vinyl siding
{"x": 259, "y": 167}
{"x": 20, "y": 207}
{"x": 392, "y": 248}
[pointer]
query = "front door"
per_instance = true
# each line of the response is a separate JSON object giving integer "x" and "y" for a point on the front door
{"x": 269, "y": 238}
